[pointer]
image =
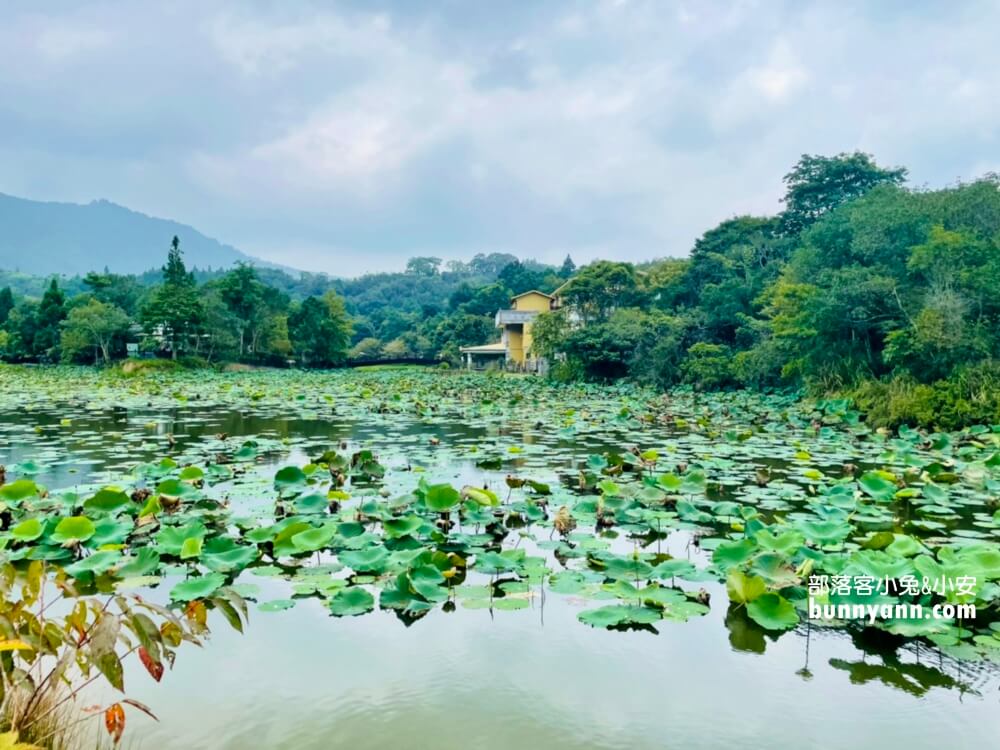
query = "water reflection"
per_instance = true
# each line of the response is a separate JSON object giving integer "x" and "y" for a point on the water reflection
{"x": 460, "y": 677}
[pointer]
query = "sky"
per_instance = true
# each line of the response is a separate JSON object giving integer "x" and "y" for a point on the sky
{"x": 346, "y": 137}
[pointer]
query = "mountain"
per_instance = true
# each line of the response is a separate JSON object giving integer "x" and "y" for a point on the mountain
{"x": 42, "y": 238}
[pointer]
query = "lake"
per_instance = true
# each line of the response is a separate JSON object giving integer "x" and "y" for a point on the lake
{"x": 497, "y": 656}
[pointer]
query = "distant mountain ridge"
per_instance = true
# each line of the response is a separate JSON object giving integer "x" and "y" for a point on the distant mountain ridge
{"x": 41, "y": 238}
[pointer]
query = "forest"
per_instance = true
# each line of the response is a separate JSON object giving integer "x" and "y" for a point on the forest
{"x": 861, "y": 286}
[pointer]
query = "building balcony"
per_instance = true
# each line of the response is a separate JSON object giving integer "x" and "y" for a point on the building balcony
{"x": 514, "y": 317}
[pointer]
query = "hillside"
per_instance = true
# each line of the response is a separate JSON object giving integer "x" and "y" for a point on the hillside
{"x": 41, "y": 238}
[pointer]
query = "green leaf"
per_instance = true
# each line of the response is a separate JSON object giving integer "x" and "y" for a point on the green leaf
{"x": 366, "y": 560}
{"x": 404, "y": 526}
{"x": 19, "y": 490}
{"x": 351, "y": 601}
{"x": 877, "y": 485}
{"x": 728, "y": 554}
{"x": 628, "y": 568}
{"x": 191, "y": 547}
{"x": 197, "y": 588}
{"x": 144, "y": 562}
{"x": 191, "y": 474}
{"x": 482, "y": 496}
{"x": 441, "y": 498}
{"x": 773, "y": 612}
{"x": 313, "y": 539}
{"x": 108, "y": 500}
{"x": 905, "y": 546}
{"x": 223, "y": 555}
{"x": 607, "y": 617}
{"x": 73, "y": 529}
{"x": 283, "y": 544}
{"x": 742, "y": 588}
{"x": 28, "y": 530}
{"x": 289, "y": 480}
{"x": 96, "y": 563}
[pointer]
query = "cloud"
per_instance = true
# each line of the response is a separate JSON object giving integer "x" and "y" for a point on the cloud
{"x": 350, "y": 136}
{"x": 59, "y": 43}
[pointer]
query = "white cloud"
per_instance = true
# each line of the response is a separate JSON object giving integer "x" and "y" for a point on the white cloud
{"x": 614, "y": 129}
{"x": 59, "y": 43}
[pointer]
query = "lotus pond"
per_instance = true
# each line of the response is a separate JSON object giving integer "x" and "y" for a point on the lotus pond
{"x": 453, "y": 560}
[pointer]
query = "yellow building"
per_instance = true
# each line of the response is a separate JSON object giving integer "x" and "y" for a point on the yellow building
{"x": 513, "y": 351}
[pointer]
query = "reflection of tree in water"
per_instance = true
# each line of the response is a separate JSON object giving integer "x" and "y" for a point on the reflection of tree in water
{"x": 917, "y": 676}
{"x": 908, "y": 665}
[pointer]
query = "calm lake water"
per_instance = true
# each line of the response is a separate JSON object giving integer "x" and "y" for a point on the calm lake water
{"x": 532, "y": 678}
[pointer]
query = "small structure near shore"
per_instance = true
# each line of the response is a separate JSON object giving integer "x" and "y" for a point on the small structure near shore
{"x": 513, "y": 351}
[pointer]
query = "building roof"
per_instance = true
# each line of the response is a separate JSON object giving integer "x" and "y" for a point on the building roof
{"x": 530, "y": 291}
{"x": 497, "y": 348}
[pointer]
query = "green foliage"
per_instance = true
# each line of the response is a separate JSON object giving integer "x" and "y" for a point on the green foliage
{"x": 708, "y": 366}
{"x": 818, "y": 184}
{"x": 603, "y": 286}
{"x": 175, "y": 312}
{"x": 548, "y": 333}
{"x": 971, "y": 395}
{"x": 50, "y": 655}
{"x": 93, "y": 328}
{"x": 629, "y": 340}
{"x": 6, "y": 304}
{"x": 763, "y": 480}
{"x": 321, "y": 330}
{"x": 243, "y": 314}
{"x": 121, "y": 291}
{"x": 860, "y": 285}
{"x": 51, "y": 313}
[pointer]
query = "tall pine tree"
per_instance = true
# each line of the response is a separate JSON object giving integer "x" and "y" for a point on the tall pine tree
{"x": 175, "y": 313}
{"x": 51, "y": 312}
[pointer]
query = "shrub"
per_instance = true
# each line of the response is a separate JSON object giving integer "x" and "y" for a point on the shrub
{"x": 140, "y": 366}
{"x": 970, "y": 396}
{"x": 708, "y": 366}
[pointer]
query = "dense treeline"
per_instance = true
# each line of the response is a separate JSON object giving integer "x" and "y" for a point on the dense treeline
{"x": 859, "y": 286}
{"x": 266, "y": 316}
{"x": 231, "y": 317}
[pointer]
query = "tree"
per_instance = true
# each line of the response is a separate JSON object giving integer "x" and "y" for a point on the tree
{"x": 459, "y": 330}
{"x": 51, "y": 312}
{"x": 424, "y": 266}
{"x": 22, "y": 327}
{"x": 367, "y": 348}
{"x": 219, "y": 325}
{"x": 621, "y": 344}
{"x": 175, "y": 311}
{"x": 115, "y": 289}
{"x": 707, "y": 366}
{"x": 92, "y": 325}
{"x": 952, "y": 315}
{"x": 174, "y": 272}
{"x": 731, "y": 265}
{"x": 243, "y": 294}
{"x": 600, "y": 288}
{"x": 518, "y": 278}
{"x": 818, "y": 184}
{"x": 321, "y": 330}
{"x": 548, "y": 333}
{"x": 6, "y": 303}
{"x": 487, "y": 300}
{"x": 666, "y": 282}
{"x": 489, "y": 265}
{"x": 568, "y": 267}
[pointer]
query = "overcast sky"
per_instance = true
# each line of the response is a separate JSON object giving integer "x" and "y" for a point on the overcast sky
{"x": 347, "y": 137}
